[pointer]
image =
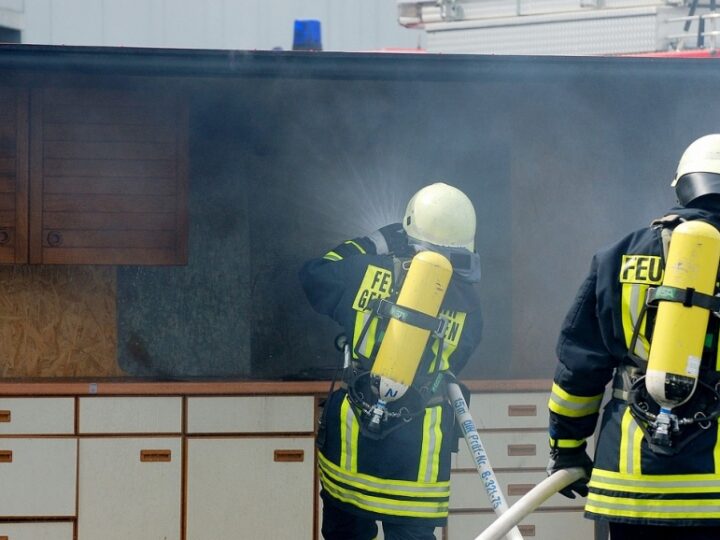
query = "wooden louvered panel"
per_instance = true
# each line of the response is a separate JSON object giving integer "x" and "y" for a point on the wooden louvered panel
{"x": 109, "y": 177}
{"x": 13, "y": 175}
{"x": 110, "y": 186}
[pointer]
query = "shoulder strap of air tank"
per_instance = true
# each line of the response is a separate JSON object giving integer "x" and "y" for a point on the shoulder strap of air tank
{"x": 666, "y": 224}
{"x": 634, "y": 364}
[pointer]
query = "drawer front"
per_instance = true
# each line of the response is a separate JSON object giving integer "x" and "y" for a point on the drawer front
{"x": 540, "y": 525}
{"x": 518, "y": 449}
{"x": 250, "y": 414}
{"x": 512, "y": 450}
{"x": 37, "y": 477}
{"x": 510, "y": 410}
{"x": 130, "y": 415}
{"x": 36, "y": 531}
{"x": 37, "y": 416}
{"x": 467, "y": 491}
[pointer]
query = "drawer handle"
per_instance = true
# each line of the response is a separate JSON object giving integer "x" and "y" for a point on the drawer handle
{"x": 155, "y": 455}
{"x": 527, "y": 530}
{"x": 5, "y": 416}
{"x": 289, "y": 455}
{"x": 522, "y": 410}
{"x": 521, "y": 450}
{"x": 519, "y": 489}
{"x": 4, "y": 239}
{"x": 5, "y": 457}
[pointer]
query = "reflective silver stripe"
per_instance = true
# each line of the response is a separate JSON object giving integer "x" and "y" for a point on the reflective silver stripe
{"x": 430, "y": 458}
{"x": 651, "y": 484}
{"x": 632, "y": 485}
{"x": 590, "y": 406}
{"x": 349, "y": 443}
{"x": 566, "y": 404}
{"x": 377, "y": 238}
{"x": 384, "y": 505}
{"x": 374, "y": 484}
{"x": 632, "y": 429}
{"x": 361, "y": 319}
{"x": 643, "y": 507}
{"x": 635, "y": 309}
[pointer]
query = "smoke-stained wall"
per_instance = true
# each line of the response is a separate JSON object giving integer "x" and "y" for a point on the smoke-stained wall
{"x": 560, "y": 157}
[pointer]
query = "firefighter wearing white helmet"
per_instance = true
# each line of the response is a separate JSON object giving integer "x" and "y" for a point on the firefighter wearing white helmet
{"x": 405, "y": 296}
{"x": 698, "y": 171}
{"x": 442, "y": 215}
{"x": 644, "y": 321}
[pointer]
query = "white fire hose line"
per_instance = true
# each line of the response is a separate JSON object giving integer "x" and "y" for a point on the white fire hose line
{"x": 482, "y": 463}
{"x": 530, "y": 501}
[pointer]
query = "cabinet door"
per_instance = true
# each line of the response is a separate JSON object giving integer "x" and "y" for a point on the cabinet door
{"x": 250, "y": 488}
{"x": 129, "y": 488}
{"x": 37, "y": 477}
{"x": 13, "y": 175}
{"x": 108, "y": 175}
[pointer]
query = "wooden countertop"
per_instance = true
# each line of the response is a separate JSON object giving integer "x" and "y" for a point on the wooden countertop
{"x": 115, "y": 387}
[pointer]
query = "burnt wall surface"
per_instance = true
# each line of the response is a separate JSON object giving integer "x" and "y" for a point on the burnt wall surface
{"x": 559, "y": 157}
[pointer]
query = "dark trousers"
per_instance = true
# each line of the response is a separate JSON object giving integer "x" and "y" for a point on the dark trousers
{"x": 623, "y": 531}
{"x": 340, "y": 525}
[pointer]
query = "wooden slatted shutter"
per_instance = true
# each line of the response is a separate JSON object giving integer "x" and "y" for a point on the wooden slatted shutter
{"x": 108, "y": 173}
{"x": 13, "y": 175}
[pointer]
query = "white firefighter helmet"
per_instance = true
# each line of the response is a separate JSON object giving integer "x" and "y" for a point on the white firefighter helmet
{"x": 698, "y": 171}
{"x": 442, "y": 215}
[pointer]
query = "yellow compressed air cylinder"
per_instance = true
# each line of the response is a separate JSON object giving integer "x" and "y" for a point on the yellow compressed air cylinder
{"x": 402, "y": 346}
{"x": 679, "y": 335}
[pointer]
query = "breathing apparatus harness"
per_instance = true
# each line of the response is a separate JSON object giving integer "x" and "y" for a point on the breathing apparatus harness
{"x": 664, "y": 432}
{"x": 425, "y": 391}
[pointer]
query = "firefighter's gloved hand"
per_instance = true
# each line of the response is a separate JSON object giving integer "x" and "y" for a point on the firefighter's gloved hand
{"x": 566, "y": 458}
{"x": 392, "y": 239}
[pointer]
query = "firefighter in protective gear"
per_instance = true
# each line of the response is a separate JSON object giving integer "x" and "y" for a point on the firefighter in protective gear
{"x": 400, "y": 476}
{"x": 644, "y": 487}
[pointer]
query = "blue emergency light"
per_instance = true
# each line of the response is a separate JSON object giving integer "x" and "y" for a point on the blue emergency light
{"x": 307, "y": 36}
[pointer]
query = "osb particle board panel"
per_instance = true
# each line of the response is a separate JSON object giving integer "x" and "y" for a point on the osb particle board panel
{"x": 58, "y": 321}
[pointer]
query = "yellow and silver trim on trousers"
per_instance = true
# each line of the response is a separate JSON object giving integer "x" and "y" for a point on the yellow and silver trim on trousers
{"x": 425, "y": 497}
{"x": 682, "y": 496}
{"x": 390, "y": 497}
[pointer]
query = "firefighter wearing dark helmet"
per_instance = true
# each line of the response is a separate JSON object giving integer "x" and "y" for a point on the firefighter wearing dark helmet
{"x": 656, "y": 472}
{"x": 398, "y": 472}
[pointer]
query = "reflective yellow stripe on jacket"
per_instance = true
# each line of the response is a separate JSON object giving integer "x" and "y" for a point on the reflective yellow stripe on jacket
{"x": 567, "y": 404}
{"x": 633, "y": 300}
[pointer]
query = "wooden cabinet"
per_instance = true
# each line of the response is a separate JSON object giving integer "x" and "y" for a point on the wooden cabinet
{"x": 93, "y": 175}
{"x": 250, "y": 467}
{"x": 108, "y": 177}
{"x": 13, "y": 175}
{"x": 38, "y": 466}
{"x": 129, "y": 486}
{"x": 236, "y": 464}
